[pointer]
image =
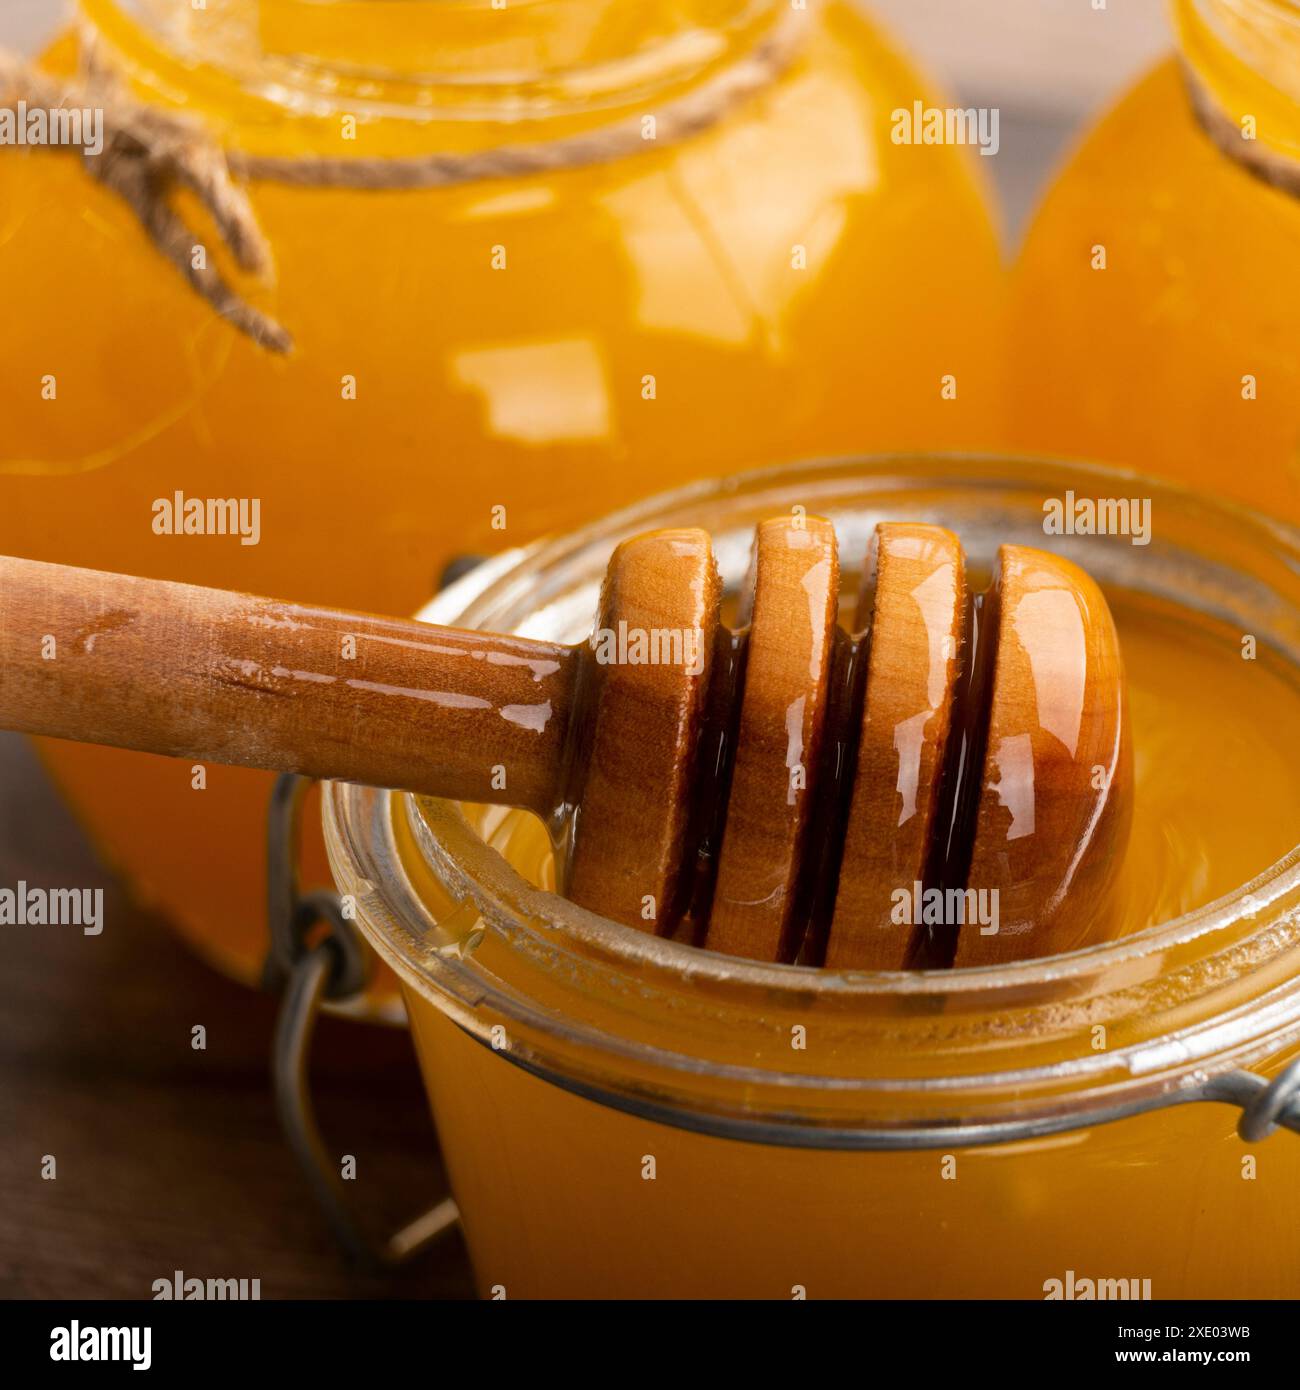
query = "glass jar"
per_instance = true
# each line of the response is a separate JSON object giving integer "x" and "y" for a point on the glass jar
{"x": 626, "y": 1115}
{"x": 1156, "y": 317}
{"x": 474, "y": 365}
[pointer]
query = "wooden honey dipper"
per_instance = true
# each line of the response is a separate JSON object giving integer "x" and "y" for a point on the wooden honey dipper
{"x": 749, "y": 782}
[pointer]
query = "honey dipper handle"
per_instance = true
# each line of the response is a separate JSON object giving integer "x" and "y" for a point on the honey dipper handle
{"x": 226, "y": 678}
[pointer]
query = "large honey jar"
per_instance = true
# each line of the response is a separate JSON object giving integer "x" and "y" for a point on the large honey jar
{"x": 1157, "y": 297}
{"x": 719, "y": 258}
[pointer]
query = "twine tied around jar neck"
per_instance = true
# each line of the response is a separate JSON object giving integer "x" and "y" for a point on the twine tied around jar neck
{"x": 1228, "y": 137}
{"x": 148, "y": 153}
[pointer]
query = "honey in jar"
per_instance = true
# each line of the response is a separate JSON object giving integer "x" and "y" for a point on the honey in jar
{"x": 627, "y": 1115}
{"x": 1155, "y": 315}
{"x": 476, "y": 364}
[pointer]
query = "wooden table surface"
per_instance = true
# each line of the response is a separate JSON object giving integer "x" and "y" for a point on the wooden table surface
{"x": 169, "y": 1158}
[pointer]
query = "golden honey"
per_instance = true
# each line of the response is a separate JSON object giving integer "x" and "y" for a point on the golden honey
{"x": 1155, "y": 300}
{"x": 627, "y": 1116}
{"x": 472, "y": 365}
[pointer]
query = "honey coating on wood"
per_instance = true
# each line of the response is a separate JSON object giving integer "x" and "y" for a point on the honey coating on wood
{"x": 1015, "y": 814}
{"x": 647, "y": 669}
{"x": 778, "y": 746}
{"x": 189, "y": 671}
{"x": 1056, "y": 796}
{"x": 914, "y": 615}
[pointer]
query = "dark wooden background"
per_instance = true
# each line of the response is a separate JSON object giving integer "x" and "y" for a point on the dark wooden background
{"x": 170, "y": 1158}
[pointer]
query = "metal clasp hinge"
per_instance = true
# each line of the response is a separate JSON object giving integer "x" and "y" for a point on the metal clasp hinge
{"x": 1266, "y": 1106}
{"x": 310, "y": 967}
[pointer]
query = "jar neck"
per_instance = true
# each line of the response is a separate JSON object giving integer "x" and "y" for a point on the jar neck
{"x": 1245, "y": 55}
{"x": 250, "y": 62}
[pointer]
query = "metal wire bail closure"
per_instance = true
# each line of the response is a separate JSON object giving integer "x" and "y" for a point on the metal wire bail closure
{"x": 1266, "y": 1105}
{"x": 310, "y": 968}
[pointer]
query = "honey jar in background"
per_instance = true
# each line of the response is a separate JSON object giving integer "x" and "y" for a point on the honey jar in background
{"x": 1157, "y": 297}
{"x": 623, "y": 1115}
{"x": 472, "y": 365}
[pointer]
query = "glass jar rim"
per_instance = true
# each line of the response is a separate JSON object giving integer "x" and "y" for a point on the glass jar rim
{"x": 153, "y": 41}
{"x": 1245, "y": 935}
